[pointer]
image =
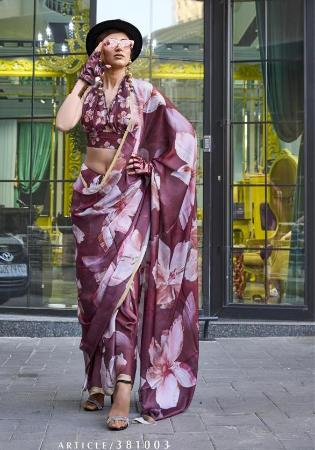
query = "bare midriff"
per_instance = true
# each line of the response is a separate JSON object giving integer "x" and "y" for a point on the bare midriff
{"x": 99, "y": 159}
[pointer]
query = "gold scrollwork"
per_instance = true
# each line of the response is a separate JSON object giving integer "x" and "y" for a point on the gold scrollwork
{"x": 23, "y": 67}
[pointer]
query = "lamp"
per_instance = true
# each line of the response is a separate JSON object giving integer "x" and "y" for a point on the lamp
{"x": 71, "y": 53}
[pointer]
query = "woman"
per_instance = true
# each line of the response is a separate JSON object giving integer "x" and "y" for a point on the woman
{"x": 134, "y": 220}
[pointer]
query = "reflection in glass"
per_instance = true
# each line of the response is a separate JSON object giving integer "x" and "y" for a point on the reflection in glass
{"x": 57, "y": 268}
{"x": 184, "y": 44}
{"x": 267, "y": 192}
{"x": 253, "y": 219}
{"x": 141, "y": 68}
{"x": 62, "y": 27}
{"x": 244, "y": 37}
{"x": 26, "y": 153}
{"x": 60, "y": 273}
{"x": 14, "y": 257}
{"x": 16, "y": 89}
{"x": 265, "y": 276}
{"x": 248, "y": 93}
{"x": 36, "y": 249}
{"x": 248, "y": 153}
{"x": 263, "y": 228}
{"x": 16, "y": 25}
{"x": 20, "y": 97}
{"x": 172, "y": 59}
{"x": 49, "y": 90}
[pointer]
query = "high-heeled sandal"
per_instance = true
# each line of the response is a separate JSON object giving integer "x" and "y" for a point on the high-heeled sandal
{"x": 109, "y": 419}
{"x": 93, "y": 401}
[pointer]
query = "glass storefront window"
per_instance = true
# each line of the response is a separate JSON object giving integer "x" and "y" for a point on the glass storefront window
{"x": 43, "y": 271}
{"x": 16, "y": 27}
{"x": 38, "y": 163}
{"x": 267, "y": 153}
{"x": 41, "y": 163}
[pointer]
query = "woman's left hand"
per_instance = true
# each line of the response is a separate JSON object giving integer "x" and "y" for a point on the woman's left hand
{"x": 138, "y": 166}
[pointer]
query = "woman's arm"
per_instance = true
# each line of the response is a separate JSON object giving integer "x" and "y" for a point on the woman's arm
{"x": 70, "y": 111}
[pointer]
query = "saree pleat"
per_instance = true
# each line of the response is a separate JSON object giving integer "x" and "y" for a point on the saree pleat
{"x": 139, "y": 234}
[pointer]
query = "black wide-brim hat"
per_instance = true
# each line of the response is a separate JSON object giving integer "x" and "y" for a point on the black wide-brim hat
{"x": 116, "y": 24}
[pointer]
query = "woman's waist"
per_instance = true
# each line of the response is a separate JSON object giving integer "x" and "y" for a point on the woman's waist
{"x": 99, "y": 159}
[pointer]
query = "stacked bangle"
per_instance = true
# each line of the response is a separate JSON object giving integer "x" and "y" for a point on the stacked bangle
{"x": 82, "y": 90}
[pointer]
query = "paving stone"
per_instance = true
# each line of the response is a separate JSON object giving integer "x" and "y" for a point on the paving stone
{"x": 29, "y": 426}
{"x": 183, "y": 441}
{"x": 5, "y": 435}
{"x": 251, "y": 393}
{"x": 242, "y": 438}
{"x": 27, "y": 445}
{"x": 231, "y": 420}
{"x": 9, "y": 425}
{"x": 188, "y": 423}
{"x": 27, "y": 436}
{"x": 297, "y": 444}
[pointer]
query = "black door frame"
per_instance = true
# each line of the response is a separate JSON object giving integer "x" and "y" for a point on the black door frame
{"x": 216, "y": 170}
{"x": 212, "y": 257}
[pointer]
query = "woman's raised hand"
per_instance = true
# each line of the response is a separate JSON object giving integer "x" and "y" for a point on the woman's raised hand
{"x": 93, "y": 66}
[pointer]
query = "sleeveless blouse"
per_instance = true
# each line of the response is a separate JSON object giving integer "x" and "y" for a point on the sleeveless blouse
{"x": 103, "y": 125}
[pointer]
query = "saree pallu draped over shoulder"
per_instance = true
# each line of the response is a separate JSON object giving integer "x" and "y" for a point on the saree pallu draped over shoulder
{"x": 128, "y": 223}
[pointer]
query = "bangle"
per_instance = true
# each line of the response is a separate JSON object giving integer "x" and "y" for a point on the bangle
{"x": 82, "y": 90}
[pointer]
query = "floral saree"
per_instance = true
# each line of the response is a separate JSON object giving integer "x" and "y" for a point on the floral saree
{"x": 136, "y": 248}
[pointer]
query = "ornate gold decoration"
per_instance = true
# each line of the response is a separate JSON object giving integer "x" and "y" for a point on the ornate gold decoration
{"x": 188, "y": 70}
{"x": 247, "y": 71}
{"x": 74, "y": 43}
{"x": 179, "y": 70}
{"x": 24, "y": 68}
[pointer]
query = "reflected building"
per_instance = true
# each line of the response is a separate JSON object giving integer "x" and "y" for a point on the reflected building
{"x": 187, "y": 10}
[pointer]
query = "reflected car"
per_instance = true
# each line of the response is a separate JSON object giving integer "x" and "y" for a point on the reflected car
{"x": 14, "y": 267}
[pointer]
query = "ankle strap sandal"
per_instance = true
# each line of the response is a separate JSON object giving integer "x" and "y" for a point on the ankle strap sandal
{"x": 93, "y": 401}
{"x": 118, "y": 381}
{"x": 109, "y": 419}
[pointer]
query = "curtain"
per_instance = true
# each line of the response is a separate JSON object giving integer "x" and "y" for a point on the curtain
{"x": 8, "y": 139}
{"x": 34, "y": 144}
{"x": 284, "y": 29}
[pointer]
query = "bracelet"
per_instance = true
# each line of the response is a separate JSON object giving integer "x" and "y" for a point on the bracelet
{"x": 82, "y": 90}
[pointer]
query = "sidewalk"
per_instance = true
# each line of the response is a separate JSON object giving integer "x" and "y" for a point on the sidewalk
{"x": 252, "y": 393}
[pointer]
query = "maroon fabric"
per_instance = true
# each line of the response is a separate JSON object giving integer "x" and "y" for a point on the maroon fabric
{"x": 124, "y": 224}
{"x": 105, "y": 124}
{"x": 92, "y": 68}
{"x": 121, "y": 340}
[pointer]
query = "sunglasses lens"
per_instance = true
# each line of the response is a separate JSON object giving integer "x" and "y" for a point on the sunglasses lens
{"x": 125, "y": 43}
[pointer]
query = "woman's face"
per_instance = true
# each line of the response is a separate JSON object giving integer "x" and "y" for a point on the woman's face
{"x": 115, "y": 53}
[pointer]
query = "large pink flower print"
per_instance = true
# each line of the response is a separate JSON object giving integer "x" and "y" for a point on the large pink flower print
{"x": 120, "y": 214}
{"x": 166, "y": 374}
{"x": 127, "y": 258}
{"x": 155, "y": 100}
{"x": 168, "y": 272}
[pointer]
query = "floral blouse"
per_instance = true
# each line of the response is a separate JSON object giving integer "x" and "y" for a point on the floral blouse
{"x": 105, "y": 125}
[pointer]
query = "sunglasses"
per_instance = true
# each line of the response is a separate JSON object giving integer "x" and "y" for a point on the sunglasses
{"x": 124, "y": 43}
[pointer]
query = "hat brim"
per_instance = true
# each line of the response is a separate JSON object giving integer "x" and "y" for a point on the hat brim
{"x": 121, "y": 25}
